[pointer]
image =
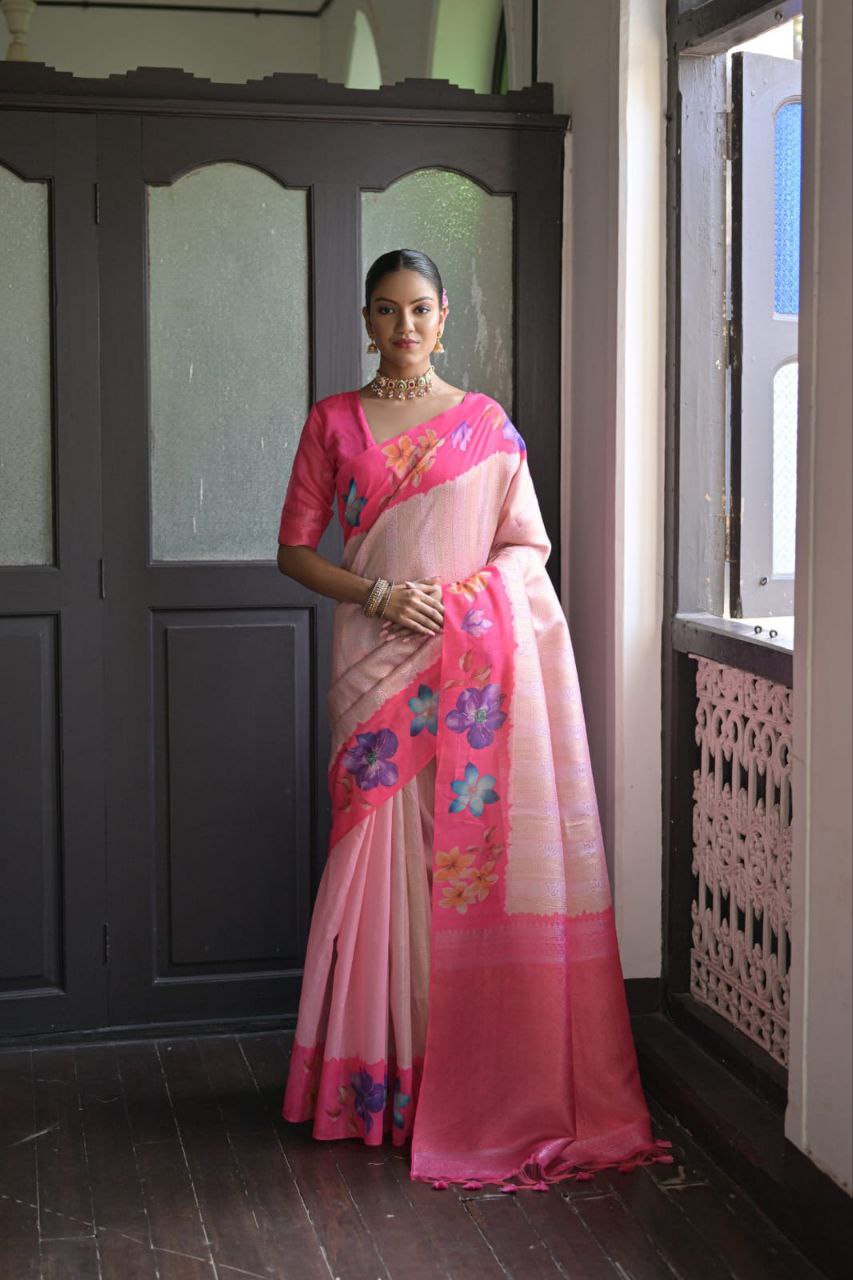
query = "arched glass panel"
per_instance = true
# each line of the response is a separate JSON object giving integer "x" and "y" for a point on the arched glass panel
{"x": 784, "y": 466}
{"x": 468, "y": 234}
{"x": 228, "y": 317}
{"x": 26, "y": 470}
{"x": 787, "y": 166}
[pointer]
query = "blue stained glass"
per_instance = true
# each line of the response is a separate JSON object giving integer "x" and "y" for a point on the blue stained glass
{"x": 787, "y": 164}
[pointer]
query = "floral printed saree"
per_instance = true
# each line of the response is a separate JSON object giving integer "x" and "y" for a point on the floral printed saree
{"x": 462, "y": 980}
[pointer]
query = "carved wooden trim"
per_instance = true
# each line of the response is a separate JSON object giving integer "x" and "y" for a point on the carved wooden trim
{"x": 741, "y": 912}
{"x": 170, "y": 89}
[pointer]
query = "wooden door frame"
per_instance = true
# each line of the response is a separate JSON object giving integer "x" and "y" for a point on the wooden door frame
{"x": 59, "y": 148}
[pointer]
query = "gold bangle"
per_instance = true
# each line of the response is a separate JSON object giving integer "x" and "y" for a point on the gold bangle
{"x": 374, "y": 597}
{"x": 384, "y": 605}
{"x": 369, "y": 606}
{"x": 381, "y": 598}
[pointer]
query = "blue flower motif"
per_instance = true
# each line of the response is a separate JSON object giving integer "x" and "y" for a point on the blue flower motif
{"x": 368, "y": 1096}
{"x": 511, "y": 433}
{"x": 473, "y": 792}
{"x": 477, "y": 713}
{"x": 401, "y": 1101}
{"x": 460, "y": 436}
{"x": 475, "y": 622}
{"x": 354, "y": 504}
{"x": 369, "y": 760}
{"x": 425, "y": 706}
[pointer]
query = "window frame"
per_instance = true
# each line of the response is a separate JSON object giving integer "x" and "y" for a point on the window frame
{"x": 696, "y": 525}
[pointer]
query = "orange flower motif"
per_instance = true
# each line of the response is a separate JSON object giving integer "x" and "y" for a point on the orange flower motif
{"x": 429, "y": 440}
{"x": 470, "y": 586}
{"x": 343, "y": 1098}
{"x": 429, "y": 444}
{"x": 453, "y": 865}
{"x": 400, "y": 454}
{"x": 482, "y": 879}
{"x": 493, "y": 416}
{"x": 459, "y": 895}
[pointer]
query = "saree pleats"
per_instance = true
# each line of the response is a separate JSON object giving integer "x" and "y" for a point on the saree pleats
{"x": 364, "y": 996}
{"x": 462, "y": 981}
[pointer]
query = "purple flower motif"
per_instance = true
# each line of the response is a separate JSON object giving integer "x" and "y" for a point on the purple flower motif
{"x": 473, "y": 792}
{"x": 475, "y": 622}
{"x": 367, "y": 1096}
{"x": 511, "y": 433}
{"x": 460, "y": 436}
{"x": 478, "y": 714}
{"x": 425, "y": 706}
{"x": 370, "y": 759}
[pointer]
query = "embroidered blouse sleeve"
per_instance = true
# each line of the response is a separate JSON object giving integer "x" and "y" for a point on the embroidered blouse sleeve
{"x": 310, "y": 491}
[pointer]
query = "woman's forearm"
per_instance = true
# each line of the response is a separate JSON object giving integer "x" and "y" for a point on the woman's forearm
{"x": 314, "y": 571}
{"x": 412, "y": 606}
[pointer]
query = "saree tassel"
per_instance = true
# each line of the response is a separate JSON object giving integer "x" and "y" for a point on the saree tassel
{"x": 659, "y": 1154}
{"x": 439, "y": 1185}
{"x": 473, "y": 1185}
{"x": 540, "y": 1186}
{"x": 584, "y": 1176}
{"x": 509, "y": 1188}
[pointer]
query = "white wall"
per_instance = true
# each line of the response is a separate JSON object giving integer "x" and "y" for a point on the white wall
{"x": 364, "y": 71}
{"x": 579, "y": 55}
{"x": 607, "y": 64}
{"x": 465, "y": 35}
{"x": 639, "y": 480}
{"x": 228, "y": 48}
{"x": 234, "y": 48}
{"x": 404, "y": 48}
{"x": 821, "y": 1071}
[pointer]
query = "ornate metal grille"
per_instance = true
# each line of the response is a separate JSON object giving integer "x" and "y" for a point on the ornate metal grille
{"x": 741, "y": 914}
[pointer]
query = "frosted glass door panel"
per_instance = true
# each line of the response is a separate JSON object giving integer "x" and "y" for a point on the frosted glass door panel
{"x": 468, "y": 235}
{"x": 26, "y": 478}
{"x": 228, "y": 316}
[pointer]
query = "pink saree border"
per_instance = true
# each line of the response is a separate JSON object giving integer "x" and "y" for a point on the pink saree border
{"x": 406, "y": 739}
{"x": 416, "y": 460}
{"x": 351, "y": 1098}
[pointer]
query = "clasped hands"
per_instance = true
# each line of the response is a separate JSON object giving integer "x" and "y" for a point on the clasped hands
{"x": 414, "y": 607}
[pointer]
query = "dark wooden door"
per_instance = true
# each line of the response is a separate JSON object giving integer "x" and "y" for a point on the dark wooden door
{"x": 52, "y": 909}
{"x": 215, "y": 663}
{"x": 230, "y": 241}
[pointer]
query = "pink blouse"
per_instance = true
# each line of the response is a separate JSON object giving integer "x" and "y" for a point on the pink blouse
{"x": 310, "y": 494}
{"x": 335, "y": 432}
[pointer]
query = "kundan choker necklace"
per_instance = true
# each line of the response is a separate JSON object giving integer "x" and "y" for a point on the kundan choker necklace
{"x": 402, "y": 388}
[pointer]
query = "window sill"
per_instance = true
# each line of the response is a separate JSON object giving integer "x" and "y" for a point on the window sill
{"x": 734, "y": 642}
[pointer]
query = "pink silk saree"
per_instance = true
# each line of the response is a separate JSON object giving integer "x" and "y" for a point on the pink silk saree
{"x": 462, "y": 983}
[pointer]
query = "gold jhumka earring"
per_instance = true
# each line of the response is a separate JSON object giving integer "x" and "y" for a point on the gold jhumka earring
{"x": 438, "y": 348}
{"x": 372, "y": 347}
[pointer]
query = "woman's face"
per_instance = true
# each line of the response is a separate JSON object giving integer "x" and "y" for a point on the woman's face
{"x": 405, "y": 317}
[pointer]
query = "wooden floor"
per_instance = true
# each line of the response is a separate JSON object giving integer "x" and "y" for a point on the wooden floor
{"x": 168, "y": 1159}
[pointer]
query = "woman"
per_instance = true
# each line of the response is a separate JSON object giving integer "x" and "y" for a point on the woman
{"x": 462, "y": 980}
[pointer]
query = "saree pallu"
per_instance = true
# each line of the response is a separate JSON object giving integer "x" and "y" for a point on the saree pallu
{"x": 462, "y": 984}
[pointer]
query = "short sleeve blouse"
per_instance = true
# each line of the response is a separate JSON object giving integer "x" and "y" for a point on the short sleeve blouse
{"x": 310, "y": 494}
